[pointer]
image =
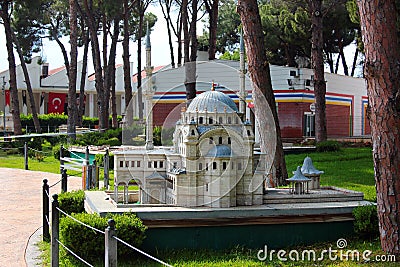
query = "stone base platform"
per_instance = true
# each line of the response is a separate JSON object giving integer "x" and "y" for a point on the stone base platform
{"x": 284, "y": 220}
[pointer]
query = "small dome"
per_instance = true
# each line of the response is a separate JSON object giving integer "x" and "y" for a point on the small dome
{"x": 212, "y": 100}
{"x": 220, "y": 151}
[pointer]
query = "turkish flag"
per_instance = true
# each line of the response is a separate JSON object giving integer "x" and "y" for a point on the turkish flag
{"x": 7, "y": 92}
{"x": 56, "y": 103}
{"x": 250, "y": 105}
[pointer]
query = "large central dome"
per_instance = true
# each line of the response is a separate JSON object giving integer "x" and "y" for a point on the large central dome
{"x": 211, "y": 101}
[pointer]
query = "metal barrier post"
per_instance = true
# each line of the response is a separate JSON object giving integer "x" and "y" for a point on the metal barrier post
{"x": 106, "y": 169}
{"x": 110, "y": 245}
{"x": 55, "y": 232}
{"x": 61, "y": 158}
{"x": 64, "y": 181}
{"x": 26, "y": 156}
{"x": 46, "y": 219}
{"x": 89, "y": 177}
{"x": 95, "y": 175}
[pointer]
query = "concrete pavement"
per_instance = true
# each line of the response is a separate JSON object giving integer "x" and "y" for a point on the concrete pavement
{"x": 21, "y": 208}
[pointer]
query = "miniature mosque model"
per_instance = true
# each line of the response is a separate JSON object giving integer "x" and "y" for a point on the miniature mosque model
{"x": 212, "y": 160}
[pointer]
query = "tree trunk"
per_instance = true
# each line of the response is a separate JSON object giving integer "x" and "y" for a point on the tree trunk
{"x": 81, "y": 111}
{"x": 212, "y": 10}
{"x": 317, "y": 61}
{"x": 167, "y": 17}
{"x": 179, "y": 37}
{"x": 63, "y": 50}
{"x": 139, "y": 61}
{"x": 99, "y": 84}
{"x": 125, "y": 58}
{"x": 262, "y": 87}
{"x": 190, "y": 49}
{"x": 381, "y": 43}
{"x": 353, "y": 68}
{"x": 111, "y": 71}
{"x": 106, "y": 79}
{"x": 73, "y": 39}
{"x": 28, "y": 86}
{"x": 11, "y": 67}
{"x": 344, "y": 64}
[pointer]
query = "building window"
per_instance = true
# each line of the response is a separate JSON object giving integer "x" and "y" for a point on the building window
{"x": 200, "y": 166}
{"x": 220, "y": 120}
{"x": 229, "y": 140}
{"x": 237, "y": 120}
{"x": 138, "y": 164}
{"x": 210, "y": 120}
{"x": 149, "y": 164}
{"x": 127, "y": 164}
{"x": 132, "y": 164}
{"x": 206, "y": 167}
{"x": 211, "y": 140}
{"x": 224, "y": 165}
{"x": 239, "y": 165}
{"x": 214, "y": 165}
{"x": 220, "y": 140}
{"x": 232, "y": 165}
{"x": 201, "y": 120}
{"x": 193, "y": 133}
{"x": 229, "y": 120}
{"x": 121, "y": 164}
{"x": 175, "y": 165}
{"x": 155, "y": 164}
{"x": 206, "y": 187}
{"x": 161, "y": 164}
{"x": 248, "y": 133}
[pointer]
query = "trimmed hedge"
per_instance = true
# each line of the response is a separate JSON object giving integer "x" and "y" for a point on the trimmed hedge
{"x": 72, "y": 202}
{"x": 90, "y": 244}
{"x": 328, "y": 146}
{"x": 100, "y": 160}
{"x": 366, "y": 223}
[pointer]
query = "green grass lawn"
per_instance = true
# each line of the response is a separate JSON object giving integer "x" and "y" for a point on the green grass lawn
{"x": 350, "y": 168}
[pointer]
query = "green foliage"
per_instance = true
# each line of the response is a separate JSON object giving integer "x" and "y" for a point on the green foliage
{"x": 56, "y": 151}
{"x": 366, "y": 221}
{"x": 138, "y": 141}
{"x": 72, "y": 202}
{"x": 90, "y": 244}
{"x": 114, "y": 141}
{"x": 100, "y": 160}
{"x": 327, "y": 146}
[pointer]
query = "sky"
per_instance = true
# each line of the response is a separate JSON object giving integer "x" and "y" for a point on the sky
{"x": 159, "y": 42}
{"x": 52, "y": 52}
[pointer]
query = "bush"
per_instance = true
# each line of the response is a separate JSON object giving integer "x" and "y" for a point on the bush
{"x": 366, "y": 221}
{"x": 100, "y": 160}
{"x": 72, "y": 202}
{"x": 114, "y": 141}
{"x": 56, "y": 151}
{"x": 328, "y": 146}
{"x": 90, "y": 244}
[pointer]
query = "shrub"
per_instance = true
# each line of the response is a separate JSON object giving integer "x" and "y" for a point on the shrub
{"x": 56, "y": 151}
{"x": 72, "y": 202}
{"x": 90, "y": 244}
{"x": 328, "y": 146}
{"x": 114, "y": 141}
{"x": 366, "y": 221}
{"x": 100, "y": 160}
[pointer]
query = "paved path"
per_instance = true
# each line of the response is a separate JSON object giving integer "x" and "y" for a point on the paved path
{"x": 20, "y": 210}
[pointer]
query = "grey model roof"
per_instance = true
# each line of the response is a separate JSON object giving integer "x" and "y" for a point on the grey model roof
{"x": 211, "y": 101}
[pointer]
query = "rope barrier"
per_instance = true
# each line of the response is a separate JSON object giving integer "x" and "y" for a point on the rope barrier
{"x": 47, "y": 193}
{"x": 142, "y": 252}
{"x": 75, "y": 255}
{"x": 88, "y": 226}
{"x": 47, "y": 219}
{"x": 56, "y": 183}
{"x": 44, "y": 152}
{"x": 76, "y": 155}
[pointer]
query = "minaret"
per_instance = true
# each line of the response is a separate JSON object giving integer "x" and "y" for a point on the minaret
{"x": 242, "y": 71}
{"x": 148, "y": 93}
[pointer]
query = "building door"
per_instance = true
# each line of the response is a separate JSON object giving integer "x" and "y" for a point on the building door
{"x": 309, "y": 124}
